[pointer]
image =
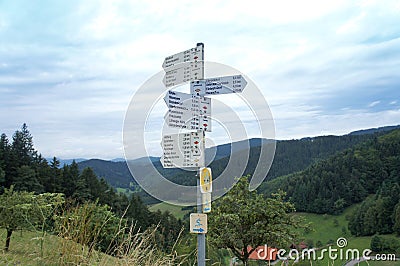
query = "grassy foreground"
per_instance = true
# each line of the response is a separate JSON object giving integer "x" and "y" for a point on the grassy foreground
{"x": 25, "y": 249}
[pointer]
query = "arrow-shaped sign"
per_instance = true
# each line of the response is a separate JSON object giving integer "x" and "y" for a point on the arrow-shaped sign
{"x": 184, "y": 66}
{"x": 187, "y": 111}
{"x": 181, "y": 73}
{"x": 191, "y": 55}
{"x": 200, "y": 230}
{"x": 174, "y": 99}
{"x": 218, "y": 85}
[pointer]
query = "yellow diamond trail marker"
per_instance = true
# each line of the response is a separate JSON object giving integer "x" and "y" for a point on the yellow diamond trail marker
{"x": 205, "y": 180}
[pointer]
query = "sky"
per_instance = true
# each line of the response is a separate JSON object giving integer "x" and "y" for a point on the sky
{"x": 69, "y": 69}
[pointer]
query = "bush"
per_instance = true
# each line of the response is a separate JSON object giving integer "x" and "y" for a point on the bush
{"x": 384, "y": 244}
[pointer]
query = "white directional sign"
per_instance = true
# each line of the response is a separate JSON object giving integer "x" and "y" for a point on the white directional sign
{"x": 187, "y": 111}
{"x": 206, "y": 202}
{"x": 198, "y": 223}
{"x": 190, "y": 55}
{"x": 182, "y": 73}
{"x": 218, "y": 85}
{"x": 183, "y": 150}
{"x": 180, "y": 109}
{"x": 184, "y": 66}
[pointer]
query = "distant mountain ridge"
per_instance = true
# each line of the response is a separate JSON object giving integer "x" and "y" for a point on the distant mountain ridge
{"x": 224, "y": 149}
{"x": 290, "y": 156}
{"x": 374, "y": 130}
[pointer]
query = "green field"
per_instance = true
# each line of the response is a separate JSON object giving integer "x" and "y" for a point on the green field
{"x": 326, "y": 229}
{"x": 173, "y": 209}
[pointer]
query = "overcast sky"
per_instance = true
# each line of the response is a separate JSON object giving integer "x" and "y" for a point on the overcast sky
{"x": 70, "y": 68}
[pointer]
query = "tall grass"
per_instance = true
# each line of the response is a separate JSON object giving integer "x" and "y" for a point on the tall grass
{"x": 90, "y": 234}
{"x": 84, "y": 230}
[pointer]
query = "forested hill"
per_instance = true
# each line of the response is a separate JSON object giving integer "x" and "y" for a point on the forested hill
{"x": 330, "y": 185}
{"x": 115, "y": 173}
{"x": 290, "y": 156}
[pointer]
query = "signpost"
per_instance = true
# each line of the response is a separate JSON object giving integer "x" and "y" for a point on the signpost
{"x": 218, "y": 85}
{"x": 184, "y": 66}
{"x": 187, "y": 111}
{"x": 193, "y": 112}
{"x": 183, "y": 150}
{"x": 191, "y": 55}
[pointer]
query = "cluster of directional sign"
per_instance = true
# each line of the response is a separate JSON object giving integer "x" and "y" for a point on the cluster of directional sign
{"x": 192, "y": 112}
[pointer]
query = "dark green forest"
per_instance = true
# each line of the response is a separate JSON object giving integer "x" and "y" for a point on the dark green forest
{"x": 23, "y": 168}
{"x": 367, "y": 173}
{"x": 290, "y": 156}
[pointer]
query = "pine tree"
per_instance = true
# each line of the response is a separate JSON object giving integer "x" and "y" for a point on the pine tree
{"x": 22, "y": 146}
{"x": 92, "y": 183}
{"x": 55, "y": 178}
{"x": 26, "y": 180}
{"x": 82, "y": 191}
{"x": 70, "y": 176}
{"x": 5, "y": 154}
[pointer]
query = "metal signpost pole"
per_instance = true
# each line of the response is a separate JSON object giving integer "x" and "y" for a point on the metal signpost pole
{"x": 201, "y": 238}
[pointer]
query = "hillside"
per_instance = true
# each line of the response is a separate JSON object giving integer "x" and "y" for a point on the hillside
{"x": 115, "y": 173}
{"x": 330, "y": 185}
{"x": 290, "y": 156}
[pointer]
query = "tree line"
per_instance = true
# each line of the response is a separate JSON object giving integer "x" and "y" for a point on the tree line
{"x": 22, "y": 168}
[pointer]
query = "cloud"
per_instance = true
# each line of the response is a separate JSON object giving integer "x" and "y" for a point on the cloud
{"x": 69, "y": 69}
{"x": 374, "y": 103}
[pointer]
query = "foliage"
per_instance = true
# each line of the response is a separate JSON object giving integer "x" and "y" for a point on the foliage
{"x": 384, "y": 244}
{"x": 243, "y": 219}
{"x": 377, "y": 214}
{"x": 85, "y": 229}
{"x": 25, "y": 210}
{"x": 396, "y": 218}
{"x": 90, "y": 225}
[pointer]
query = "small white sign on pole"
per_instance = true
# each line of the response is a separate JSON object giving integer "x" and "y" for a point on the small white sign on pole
{"x": 198, "y": 223}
